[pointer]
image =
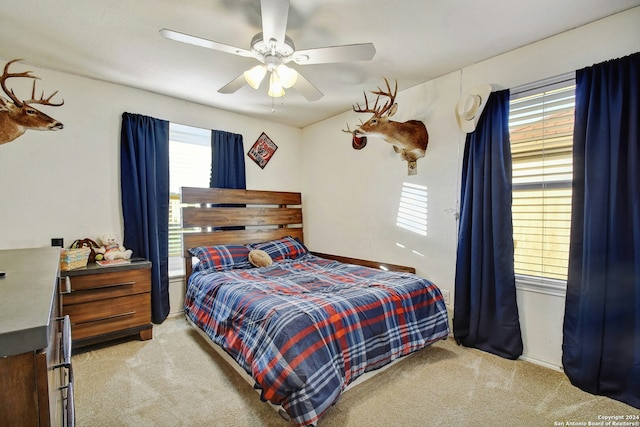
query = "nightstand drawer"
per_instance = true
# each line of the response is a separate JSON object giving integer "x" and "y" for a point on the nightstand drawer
{"x": 118, "y": 283}
{"x": 107, "y": 285}
{"x": 96, "y": 318}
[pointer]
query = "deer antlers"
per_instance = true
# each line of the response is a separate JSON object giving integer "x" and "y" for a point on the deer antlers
{"x": 43, "y": 101}
{"x": 378, "y": 111}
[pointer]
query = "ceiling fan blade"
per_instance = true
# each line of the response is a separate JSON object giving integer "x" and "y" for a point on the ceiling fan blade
{"x": 233, "y": 85}
{"x": 209, "y": 44}
{"x": 345, "y": 53}
{"x": 307, "y": 89}
{"x": 275, "y": 14}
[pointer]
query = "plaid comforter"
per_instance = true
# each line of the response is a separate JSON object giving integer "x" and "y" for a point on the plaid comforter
{"x": 305, "y": 328}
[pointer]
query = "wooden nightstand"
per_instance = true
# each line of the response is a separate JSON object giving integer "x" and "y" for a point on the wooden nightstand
{"x": 105, "y": 303}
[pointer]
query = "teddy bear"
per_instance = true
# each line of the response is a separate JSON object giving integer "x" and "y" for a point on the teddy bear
{"x": 111, "y": 249}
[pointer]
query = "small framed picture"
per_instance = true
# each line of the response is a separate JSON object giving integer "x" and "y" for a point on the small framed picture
{"x": 262, "y": 150}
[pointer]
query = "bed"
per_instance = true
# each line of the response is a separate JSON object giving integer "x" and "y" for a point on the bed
{"x": 300, "y": 326}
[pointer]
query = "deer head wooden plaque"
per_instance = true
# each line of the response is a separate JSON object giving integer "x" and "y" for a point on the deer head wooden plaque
{"x": 409, "y": 139}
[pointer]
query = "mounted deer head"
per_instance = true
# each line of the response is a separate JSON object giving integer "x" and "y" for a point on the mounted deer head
{"x": 17, "y": 116}
{"x": 409, "y": 139}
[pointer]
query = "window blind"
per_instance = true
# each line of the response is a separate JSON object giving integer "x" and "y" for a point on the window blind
{"x": 541, "y": 133}
{"x": 189, "y": 166}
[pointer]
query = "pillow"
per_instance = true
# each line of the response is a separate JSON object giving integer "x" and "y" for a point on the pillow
{"x": 260, "y": 258}
{"x": 279, "y": 249}
{"x": 221, "y": 257}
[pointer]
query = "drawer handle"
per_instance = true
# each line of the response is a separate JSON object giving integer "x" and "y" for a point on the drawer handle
{"x": 71, "y": 407}
{"x": 108, "y": 285}
{"x": 115, "y": 316}
{"x": 112, "y": 285}
{"x": 67, "y": 285}
{"x": 70, "y": 410}
{"x": 66, "y": 342}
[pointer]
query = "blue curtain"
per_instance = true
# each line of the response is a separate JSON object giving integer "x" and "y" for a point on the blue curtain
{"x": 144, "y": 159}
{"x": 485, "y": 310}
{"x": 227, "y": 160}
{"x": 601, "y": 340}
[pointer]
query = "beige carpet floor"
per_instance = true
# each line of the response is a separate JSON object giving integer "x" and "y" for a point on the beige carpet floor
{"x": 175, "y": 379}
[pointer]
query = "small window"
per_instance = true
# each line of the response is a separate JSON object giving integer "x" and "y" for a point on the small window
{"x": 189, "y": 166}
{"x": 541, "y": 133}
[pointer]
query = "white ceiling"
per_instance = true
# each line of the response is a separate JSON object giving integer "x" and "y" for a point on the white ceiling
{"x": 416, "y": 41}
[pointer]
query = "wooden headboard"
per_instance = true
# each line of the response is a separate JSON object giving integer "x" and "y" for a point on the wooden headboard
{"x": 267, "y": 215}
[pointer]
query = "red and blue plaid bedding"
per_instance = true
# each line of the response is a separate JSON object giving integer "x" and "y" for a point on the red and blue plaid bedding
{"x": 305, "y": 328}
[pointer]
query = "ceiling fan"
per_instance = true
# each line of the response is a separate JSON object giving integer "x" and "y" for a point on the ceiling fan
{"x": 274, "y": 49}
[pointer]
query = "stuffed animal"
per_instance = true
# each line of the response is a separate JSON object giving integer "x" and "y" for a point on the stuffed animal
{"x": 86, "y": 243}
{"x": 111, "y": 249}
{"x": 260, "y": 258}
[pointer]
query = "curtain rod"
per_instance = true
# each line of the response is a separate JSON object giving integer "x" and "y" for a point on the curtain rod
{"x": 537, "y": 85}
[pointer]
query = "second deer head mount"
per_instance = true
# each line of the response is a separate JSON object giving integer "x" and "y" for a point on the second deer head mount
{"x": 17, "y": 116}
{"x": 409, "y": 139}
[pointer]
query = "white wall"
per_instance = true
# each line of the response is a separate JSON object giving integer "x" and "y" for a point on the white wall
{"x": 351, "y": 197}
{"x": 67, "y": 183}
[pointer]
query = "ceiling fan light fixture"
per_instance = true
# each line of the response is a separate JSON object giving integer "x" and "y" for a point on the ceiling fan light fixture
{"x": 272, "y": 47}
{"x": 288, "y": 76}
{"x": 275, "y": 86}
{"x": 254, "y": 75}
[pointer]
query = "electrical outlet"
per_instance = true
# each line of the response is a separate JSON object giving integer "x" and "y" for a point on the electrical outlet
{"x": 445, "y": 296}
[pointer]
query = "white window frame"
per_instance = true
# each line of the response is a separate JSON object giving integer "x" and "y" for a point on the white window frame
{"x": 198, "y": 137}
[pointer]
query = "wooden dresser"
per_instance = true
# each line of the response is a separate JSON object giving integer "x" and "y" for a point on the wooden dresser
{"x": 36, "y": 376}
{"x": 105, "y": 303}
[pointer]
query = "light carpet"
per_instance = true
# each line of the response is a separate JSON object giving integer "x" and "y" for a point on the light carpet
{"x": 176, "y": 379}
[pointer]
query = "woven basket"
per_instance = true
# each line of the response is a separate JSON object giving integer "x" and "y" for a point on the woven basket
{"x": 70, "y": 259}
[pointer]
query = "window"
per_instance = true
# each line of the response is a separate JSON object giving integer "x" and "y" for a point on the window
{"x": 189, "y": 166}
{"x": 541, "y": 132}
